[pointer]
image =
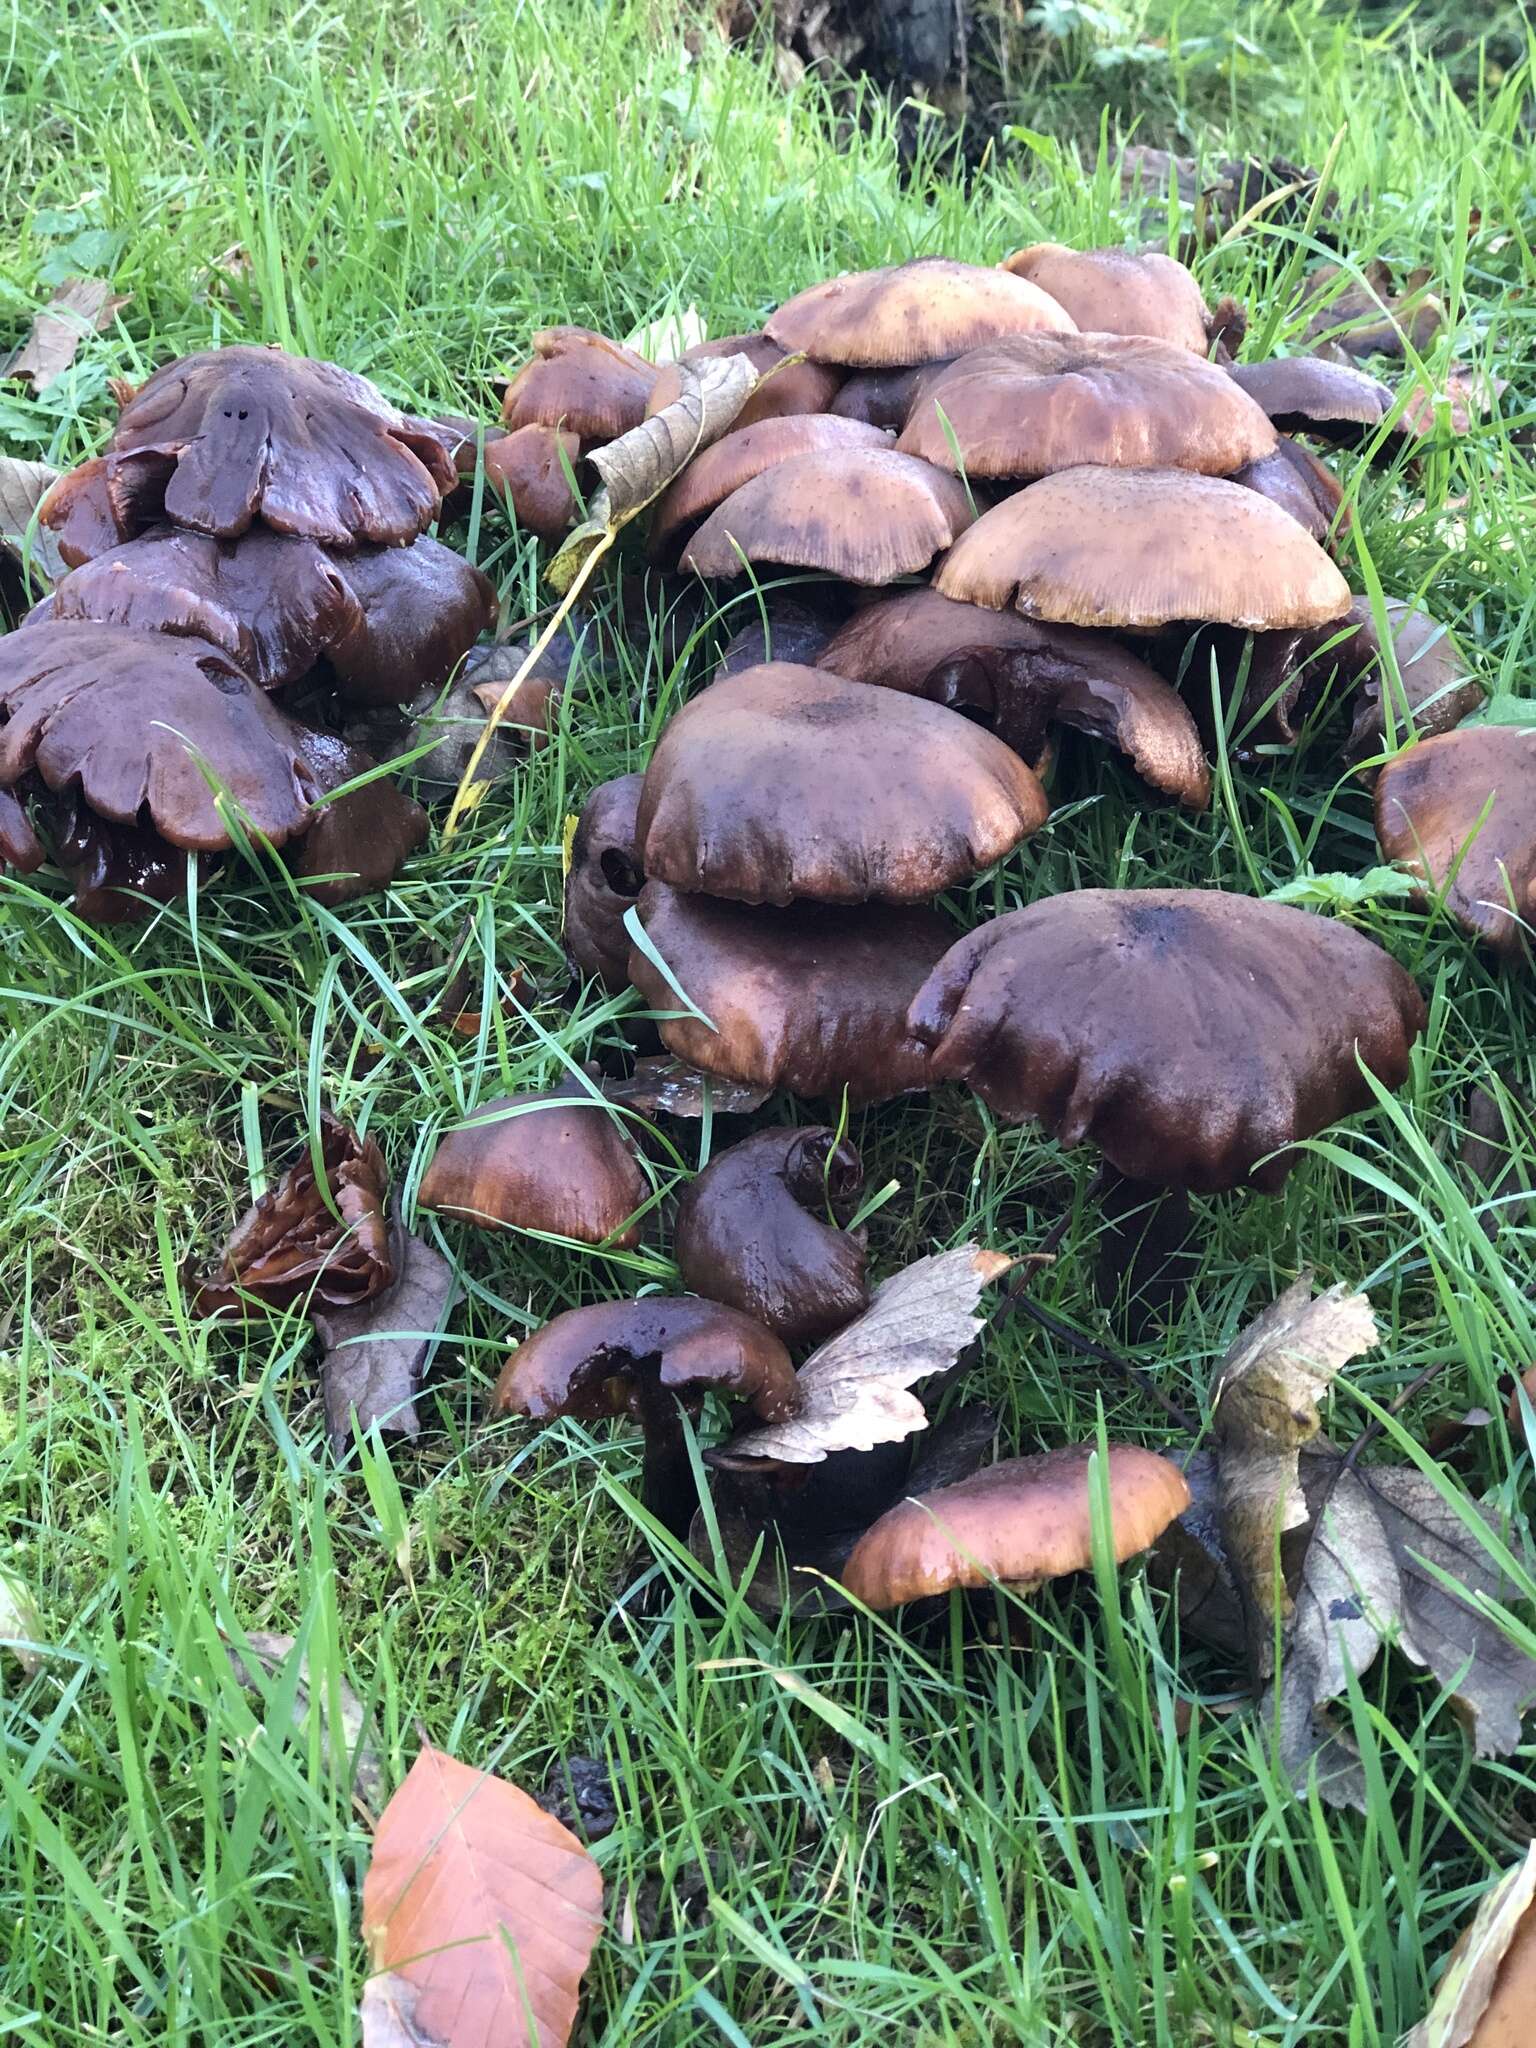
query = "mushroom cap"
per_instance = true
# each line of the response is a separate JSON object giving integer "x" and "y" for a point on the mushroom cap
{"x": 524, "y": 468}
{"x": 1429, "y": 800}
{"x": 745, "y": 452}
{"x": 117, "y": 873}
{"x": 752, "y": 1231}
{"x": 1038, "y": 403}
{"x": 219, "y": 440}
{"x": 1306, "y": 489}
{"x": 79, "y": 513}
{"x": 882, "y": 398}
{"x": 1188, "y": 1034}
{"x": 786, "y": 782}
{"x": 134, "y": 718}
{"x": 813, "y": 998}
{"x": 778, "y": 627}
{"x": 1305, "y": 395}
{"x": 416, "y": 613}
{"x": 582, "y": 381}
{"x": 1119, "y": 291}
{"x": 1144, "y": 548}
{"x": 1437, "y": 682}
{"x": 603, "y": 880}
{"x": 357, "y": 843}
{"x": 911, "y": 313}
{"x": 866, "y": 514}
{"x": 803, "y": 387}
{"x": 20, "y": 847}
{"x": 557, "y": 1162}
{"x": 1021, "y": 1522}
{"x": 582, "y": 1362}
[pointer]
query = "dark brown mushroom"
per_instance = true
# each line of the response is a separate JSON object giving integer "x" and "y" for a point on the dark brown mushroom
{"x": 78, "y": 511}
{"x": 359, "y": 841}
{"x": 882, "y": 398}
{"x": 581, "y": 381}
{"x": 20, "y": 847}
{"x": 764, "y": 1229}
{"x": 1194, "y": 1037}
{"x": 604, "y": 879}
{"x": 803, "y": 387}
{"x": 528, "y": 469}
{"x": 1305, "y": 395}
{"x": 710, "y": 478}
{"x": 558, "y": 1163}
{"x": 1119, "y": 291}
{"x": 1460, "y": 811}
{"x": 779, "y": 627}
{"x": 416, "y": 613}
{"x": 787, "y": 782}
{"x": 118, "y": 874}
{"x": 1299, "y": 484}
{"x": 912, "y": 313}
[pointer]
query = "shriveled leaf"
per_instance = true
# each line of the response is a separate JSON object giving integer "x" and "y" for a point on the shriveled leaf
{"x": 263, "y": 1660}
{"x": 855, "y": 1385}
{"x": 82, "y": 306}
{"x": 21, "y": 1630}
{"x": 480, "y": 1912}
{"x": 669, "y": 335}
{"x": 663, "y": 1083}
{"x": 1454, "y": 399}
{"x": 1191, "y": 1554}
{"x": 375, "y": 1353}
{"x": 23, "y": 486}
{"x": 1492, "y": 1970}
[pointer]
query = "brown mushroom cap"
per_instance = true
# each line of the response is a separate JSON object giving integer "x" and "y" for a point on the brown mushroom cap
{"x": 911, "y": 313}
{"x": 78, "y": 511}
{"x": 866, "y": 514}
{"x": 524, "y": 468}
{"x": 604, "y": 879}
{"x": 813, "y": 998}
{"x": 557, "y": 1162}
{"x": 1300, "y": 485}
{"x": 356, "y": 843}
{"x": 221, "y": 439}
{"x": 1020, "y": 1522}
{"x": 118, "y": 873}
{"x": 1144, "y": 548}
{"x": 591, "y": 386}
{"x": 803, "y": 387}
{"x": 1119, "y": 291}
{"x": 746, "y": 452}
{"x": 882, "y": 398}
{"x": 752, "y": 1231}
{"x": 1429, "y": 801}
{"x": 416, "y": 613}
{"x": 786, "y": 782}
{"x": 1188, "y": 1034}
{"x": 1305, "y": 395}
{"x": 20, "y": 847}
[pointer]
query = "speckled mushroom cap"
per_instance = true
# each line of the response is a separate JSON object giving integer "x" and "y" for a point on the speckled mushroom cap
{"x": 786, "y": 782}
{"x": 525, "y": 470}
{"x": 604, "y": 879}
{"x": 802, "y": 387}
{"x": 1144, "y": 548}
{"x": 812, "y": 998}
{"x": 911, "y": 313}
{"x": 79, "y": 513}
{"x": 1307, "y": 395}
{"x": 1192, "y": 1036}
{"x": 1119, "y": 291}
{"x": 1294, "y": 479}
{"x": 1430, "y": 801}
{"x": 1021, "y": 1522}
{"x": 581, "y": 381}
{"x": 746, "y": 452}
{"x": 865, "y": 514}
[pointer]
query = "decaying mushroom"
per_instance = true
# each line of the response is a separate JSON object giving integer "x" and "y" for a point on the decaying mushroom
{"x": 800, "y": 387}
{"x": 912, "y": 313}
{"x": 1119, "y": 291}
{"x": 527, "y": 469}
{"x": 558, "y": 1163}
{"x": 1305, "y": 395}
{"x": 592, "y": 387}
{"x": 118, "y": 874}
{"x": 745, "y": 452}
{"x": 1460, "y": 811}
{"x": 764, "y": 1229}
{"x": 603, "y": 880}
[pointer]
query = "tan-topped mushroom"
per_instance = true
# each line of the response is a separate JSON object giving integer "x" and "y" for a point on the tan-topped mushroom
{"x": 800, "y": 387}
{"x": 1460, "y": 811}
{"x": 558, "y": 1163}
{"x": 1294, "y": 479}
{"x": 1119, "y": 291}
{"x": 911, "y": 313}
{"x": 746, "y": 452}
{"x": 592, "y": 387}
{"x": 527, "y": 469}
{"x": 1305, "y": 395}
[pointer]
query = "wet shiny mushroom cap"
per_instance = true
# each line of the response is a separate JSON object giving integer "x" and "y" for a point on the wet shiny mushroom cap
{"x": 710, "y": 478}
{"x": 557, "y": 1162}
{"x": 604, "y": 879}
{"x": 802, "y": 387}
{"x": 1430, "y": 801}
{"x": 581, "y": 381}
{"x": 865, "y": 514}
{"x": 220, "y": 440}
{"x": 1295, "y": 480}
{"x": 525, "y": 469}
{"x": 357, "y": 842}
{"x": 1305, "y": 395}
{"x": 20, "y": 847}
{"x": 911, "y": 313}
{"x": 1020, "y": 1522}
{"x": 1119, "y": 291}
{"x": 785, "y": 782}
{"x": 78, "y": 512}
{"x": 1142, "y": 549}
{"x": 812, "y": 998}
{"x": 416, "y": 613}
{"x": 1192, "y": 1036}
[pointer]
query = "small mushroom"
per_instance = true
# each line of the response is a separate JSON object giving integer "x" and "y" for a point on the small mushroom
{"x": 1430, "y": 805}
{"x": 604, "y": 879}
{"x": 911, "y": 313}
{"x": 581, "y": 381}
{"x": 882, "y": 398}
{"x": 416, "y": 613}
{"x": 1144, "y": 548}
{"x": 752, "y": 1231}
{"x": 1119, "y": 291}
{"x": 1299, "y": 484}
{"x": 1021, "y": 1522}
{"x": 525, "y": 468}
{"x": 357, "y": 842}
{"x": 557, "y": 1163}
{"x": 20, "y": 847}
{"x": 650, "y": 1359}
{"x": 786, "y": 782}
{"x": 79, "y": 513}
{"x": 1305, "y": 395}
{"x": 803, "y": 387}
{"x": 710, "y": 478}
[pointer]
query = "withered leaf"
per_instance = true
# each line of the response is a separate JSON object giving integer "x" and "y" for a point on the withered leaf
{"x": 1210, "y": 1606}
{"x": 480, "y": 1912}
{"x": 21, "y": 1630}
{"x": 662, "y": 1082}
{"x": 23, "y": 486}
{"x": 262, "y": 1659}
{"x": 81, "y": 306}
{"x": 376, "y": 1352}
{"x": 1491, "y": 1975}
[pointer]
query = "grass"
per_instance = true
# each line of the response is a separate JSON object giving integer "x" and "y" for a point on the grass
{"x": 841, "y": 1834}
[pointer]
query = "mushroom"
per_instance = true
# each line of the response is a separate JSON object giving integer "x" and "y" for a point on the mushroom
{"x": 911, "y": 313}
{"x": 752, "y": 1231}
{"x": 78, "y": 512}
{"x": 1119, "y": 291}
{"x": 218, "y": 440}
{"x": 779, "y": 627}
{"x": 357, "y": 842}
{"x": 20, "y": 847}
{"x": 1144, "y": 548}
{"x": 1194, "y": 1037}
{"x": 527, "y": 469}
{"x": 1304, "y": 395}
{"x": 649, "y": 1359}
{"x": 118, "y": 874}
{"x": 1430, "y": 805}
{"x": 557, "y": 1163}
{"x": 882, "y": 398}
{"x": 581, "y": 381}
{"x": 416, "y": 612}
{"x": 603, "y": 880}
{"x": 1019, "y": 1523}
{"x": 866, "y": 514}
{"x": 786, "y": 782}
{"x": 802, "y": 387}
{"x": 812, "y": 998}
{"x": 736, "y": 458}
{"x": 1299, "y": 484}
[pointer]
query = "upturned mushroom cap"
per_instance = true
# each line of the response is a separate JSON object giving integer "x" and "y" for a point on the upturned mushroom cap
{"x": 416, "y": 613}
{"x": 786, "y": 782}
{"x": 812, "y": 998}
{"x": 581, "y": 381}
{"x": 219, "y": 440}
{"x": 1193, "y": 1037}
{"x": 1119, "y": 291}
{"x": 803, "y": 387}
{"x": 604, "y": 879}
{"x": 78, "y": 512}
{"x": 557, "y": 1162}
{"x": 358, "y": 842}
{"x": 882, "y": 398}
{"x": 1430, "y": 801}
{"x": 865, "y": 514}
{"x": 1305, "y": 395}
{"x": 1301, "y": 486}
{"x": 746, "y": 452}
{"x": 911, "y": 313}
{"x": 753, "y": 1231}
{"x": 1020, "y": 1522}
{"x": 524, "y": 468}
{"x": 1144, "y": 548}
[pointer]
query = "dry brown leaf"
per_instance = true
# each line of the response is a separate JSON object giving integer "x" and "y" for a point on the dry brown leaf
{"x": 23, "y": 486}
{"x": 269, "y": 1653}
{"x": 375, "y": 1352}
{"x": 1487, "y": 1997}
{"x": 480, "y": 1912}
{"x": 80, "y": 306}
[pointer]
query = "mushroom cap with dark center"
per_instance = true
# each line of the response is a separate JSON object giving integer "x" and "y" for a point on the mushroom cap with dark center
{"x": 558, "y": 1162}
{"x": 1295, "y": 480}
{"x": 604, "y": 879}
{"x": 1188, "y": 1034}
{"x": 219, "y": 440}
{"x": 1430, "y": 801}
{"x": 79, "y": 513}
{"x": 753, "y": 1231}
{"x": 1305, "y": 395}
{"x": 525, "y": 469}
{"x": 1119, "y": 291}
{"x": 746, "y": 452}
{"x": 1044, "y": 402}
{"x": 1020, "y": 1522}
{"x": 882, "y": 398}
{"x": 1144, "y": 548}
{"x": 416, "y": 613}
{"x": 582, "y": 381}
{"x": 803, "y": 387}
{"x": 812, "y": 998}
{"x": 911, "y": 313}
{"x": 358, "y": 842}
{"x": 134, "y": 718}
{"x": 786, "y": 782}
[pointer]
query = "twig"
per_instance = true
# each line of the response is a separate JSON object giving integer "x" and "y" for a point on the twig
{"x": 1375, "y": 1428}
{"x": 1076, "y": 1341}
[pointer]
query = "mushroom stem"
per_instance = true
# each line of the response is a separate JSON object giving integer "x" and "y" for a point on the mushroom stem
{"x": 667, "y": 1488}
{"x": 1145, "y": 1263}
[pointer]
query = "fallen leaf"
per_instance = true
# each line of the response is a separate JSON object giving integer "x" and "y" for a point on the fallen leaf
{"x": 662, "y": 1082}
{"x": 855, "y": 1385}
{"x": 1192, "y": 1555}
{"x": 1491, "y": 1151}
{"x": 82, "y": 306}
{"x": 669, "y": 335}
{"x": 480, "y": 1912}
{"x": 262, "y": 1660}
{"x": 1491, "y": 1975}
{"x": 375, "y": 1353}
{"x": 1367, "y": 315}
{"x": 21, "y": 1630}
{"x": 1457, "y": 396}
{"x": 23, "y": 486}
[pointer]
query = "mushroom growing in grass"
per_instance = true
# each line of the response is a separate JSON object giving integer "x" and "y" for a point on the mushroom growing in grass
{"x": 1120, "y": 291}
{"x": 527, "y": 469}
{"x": 581, "y": 381}
{"x": 914, "y": 312}
{"x": 78, "y": 512}
{"x": 1459, "y": 812}
{"x": 1294, "y": 479}
{"x": 1305, "y": 395}
{"x": 710, "y": 478}
{"x": 603, "y": 880}
{"x": 800, "y": 387}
